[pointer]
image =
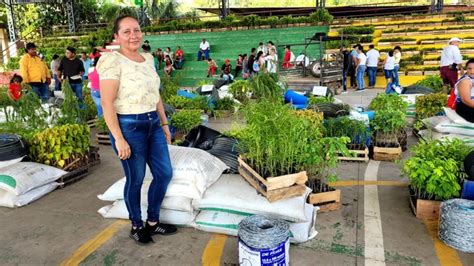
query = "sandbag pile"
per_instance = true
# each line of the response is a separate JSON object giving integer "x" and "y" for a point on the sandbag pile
{"x": 231, "y": 199}
{"x": 449, "y": 126}
{"x": 24, "y": 182}
{"x": 194, "y": 170}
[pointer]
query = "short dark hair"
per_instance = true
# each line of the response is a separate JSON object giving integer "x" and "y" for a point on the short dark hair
{"x": 71, "y": 49}
{"x": 470, "y": 61}
{"x": 84, "y": 53}
{"x": 16, "y": 78}
{"x": 289, "y": 47}
{"x": 398, "y": 48}
{"x": 260, "y": 43}
{"x": 55, "y": 56}
{"x": 118, "y": 20}
{"x": 371, "y": 46}
{"x": 270, "y": 42}
{"x": 29, "y": 46}
{"x": 253, "y": 50}
{"x": 390, "y": 53}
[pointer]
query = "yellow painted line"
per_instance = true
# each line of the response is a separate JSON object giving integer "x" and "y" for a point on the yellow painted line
{"x": 213, "y": 251}
{"x": 93, "y": 244}
{"x": 351, "y": 183}
{"x": 447, "y": 256}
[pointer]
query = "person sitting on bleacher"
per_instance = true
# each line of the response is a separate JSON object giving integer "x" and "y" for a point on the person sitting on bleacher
{"x": 204, "y": 49}
{"x": 178, "y": 58}
{"x": 289, "y": 58}
{"x": 211, "y": 67}
{"x": 227, "y": 71}
{"x": 464, "y": 91}
{"x": 168, "y": 66}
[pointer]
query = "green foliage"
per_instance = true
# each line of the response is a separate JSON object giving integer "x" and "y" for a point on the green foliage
{"x": 90, "y": 110}
{"x": 13, "y": 63}
{"x": 356, "y": 30}
{"x": 240, "y": 90}
{"x": 169, "y": 88}
{"x": 397, "y": 39}
{"x": 226, "y": 103}
{"x": 59, "y": 146}
{"x": 71, "y": 112}
{"x": 460, "y": 18}
{"x": 273, "y": 148}
{"x": 388, "y": 102}
{"x": 313, "y": 100}
{"x": 434, "y": 168}
{"x": 180, "y": 102}
{"x": 321, "y": 15}
{"x": 265, "y": 86}
{"x": 346, "y": 127}
{"x": 388, "y": 121}
{"x": 186, "y": 120}
{"x": 434, "y": 82}
{"x": 430, "y": 104}
{"x": 101, "y": 125}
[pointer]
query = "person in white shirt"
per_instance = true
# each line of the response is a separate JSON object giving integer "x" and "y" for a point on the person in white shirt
{"x": 397, "y": 55}
{"x": 263, "y": 48}
{"x": 373, "y": 57}
{"x": 302, "y": 60}
{"x": 360, "y": 67}
{"x": 204, "y": 49}
{"x": 272, "y": 61}
{"x": 451, "y": 62}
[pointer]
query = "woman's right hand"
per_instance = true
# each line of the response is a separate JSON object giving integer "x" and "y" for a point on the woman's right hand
{"x": 123, "y": 149}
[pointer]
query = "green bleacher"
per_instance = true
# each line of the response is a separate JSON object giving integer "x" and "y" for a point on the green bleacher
{"x": 229, "y": 44}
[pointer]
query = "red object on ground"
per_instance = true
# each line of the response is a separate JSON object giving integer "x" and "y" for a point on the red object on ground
{"x": 452, "y": 100}
{"x": 15, "y": 91}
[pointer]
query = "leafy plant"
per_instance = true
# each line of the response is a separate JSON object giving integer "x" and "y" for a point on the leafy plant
{"x": 90, "y": 110}
{"x": 71, "y": 112}
{"x": 388, "y": 121}
{"x": 273, "y": 148}
{"x": 355, "y": 30}
{"x": 168, "y": 89}
{"x": 226, "y": 103}
{"x": 434, "y": 168}
{"x": 59, "y": 146}
{"x": 434, "y": 82}
{"x": 186, "y": 120}
{"x": 265, "y": 86}
{"x": 345, "y": 127}
{"x": 101, "y": 125}
{"x": 241, "y": 90}
{"x": 430, "y": 104}
{"x": 388, "y": 102}
{"x": 180, "y": 102}
{"x": 313, "y": 100}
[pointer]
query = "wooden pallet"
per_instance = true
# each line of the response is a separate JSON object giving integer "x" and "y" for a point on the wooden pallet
{"x": 326, "y": 201}
{"x": 274, "y": 188}
{"x": 91, "y": 123}
{"x": 359, "y": 155}
{"x": 103, "y": 138}
{"x": 387, "y": 154}
{"x": 73, "y": 176}
{"x": 425, "y": 209}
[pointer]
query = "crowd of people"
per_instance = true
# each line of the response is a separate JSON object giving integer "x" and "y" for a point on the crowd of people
{"x": 357, "y": 62}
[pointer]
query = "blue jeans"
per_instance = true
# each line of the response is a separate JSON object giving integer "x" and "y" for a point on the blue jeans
{"x": 389, "y": 89}
{"x": 360, "y": 77}
{"x": 77, "y": 89}
{"x": 57, "y": 83}
{"x": 41, "y": 90}
{"x": 148, "y": 145}
{"x": 372, "y": 72}
{"x": 178, "y": 64}
{"x": 206, "y": 54}
{"x": 396, "y": 81}
{"x": 96, "y": 98}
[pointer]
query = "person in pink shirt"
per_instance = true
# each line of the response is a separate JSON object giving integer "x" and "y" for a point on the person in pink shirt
{"x": 94, "y": 85}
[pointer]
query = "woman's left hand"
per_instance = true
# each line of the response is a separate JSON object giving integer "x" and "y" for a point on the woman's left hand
{"x": 167, "y": 132}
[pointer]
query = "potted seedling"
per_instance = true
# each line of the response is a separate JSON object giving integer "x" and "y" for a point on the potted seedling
{"x": 435, "y": 173}
{"x": 103, "y": 132}
{"x": 356, "y": 131}
{"x": 224, "y": 107}
{"x": 387, "y": 125}
{"x": 183, "y": 121}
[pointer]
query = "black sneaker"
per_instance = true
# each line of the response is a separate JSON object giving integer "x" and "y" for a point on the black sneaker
{"x": 141, "y": 235}
{"x": 162, "y": 229}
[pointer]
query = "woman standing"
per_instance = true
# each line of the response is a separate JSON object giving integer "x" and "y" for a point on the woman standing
{"x": 272, "y": 61}
{"x": 360, "y": 68}
{"x": 134, "y": 113}
{"x": 464, "y": 91}
{"x": 397, "y": 55}
{"x": 388, "y": 67}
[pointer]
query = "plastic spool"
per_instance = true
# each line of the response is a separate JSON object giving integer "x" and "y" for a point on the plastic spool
{"x": 456, "y": 224}
{"x": 468, "y": 190}
{"x": 263, "y": 241}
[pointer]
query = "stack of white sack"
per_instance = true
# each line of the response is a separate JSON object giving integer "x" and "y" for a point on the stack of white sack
{"x": 448, "y": 127}
{"x": 24, "y": 182}
{"x": 231, "y": 199}
{"x": 194, "y": 170}
{"x": 411, "y": 110}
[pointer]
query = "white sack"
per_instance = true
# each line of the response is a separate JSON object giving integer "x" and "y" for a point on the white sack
{"x": 457, "y": 119}
{"x": 443, "y": 124}
{"x": 231, "y": 193}
{"x": 226, "y": 223}
{"x": 119, "y": 210}
{"x": 11, "y": 200}
{"x": 428, "y": 134}
{"x": 4, "y": 164}
{"x": 25, "y": 176}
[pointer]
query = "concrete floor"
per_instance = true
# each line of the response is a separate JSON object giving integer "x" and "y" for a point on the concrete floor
{"x": 56, "y": 227}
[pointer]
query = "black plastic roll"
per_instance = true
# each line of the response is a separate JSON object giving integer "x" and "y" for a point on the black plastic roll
{"x": 12, "y": 147}
{"x": 469, "y": 165}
